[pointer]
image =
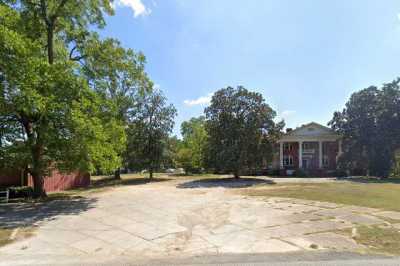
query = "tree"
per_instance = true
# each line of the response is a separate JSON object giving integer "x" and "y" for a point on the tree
{"x": 117, "y": 74}
{"x": 190, "y": 155}
{"x": 170, "y": 152}
{"x": 239, "y": 123}
{"x": 52, "y": 111}
{"x": 152, "y": 122}
{"x": 370, "y": 126}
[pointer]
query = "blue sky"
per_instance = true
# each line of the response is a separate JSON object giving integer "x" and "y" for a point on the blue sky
{"x": 305, "y": 56}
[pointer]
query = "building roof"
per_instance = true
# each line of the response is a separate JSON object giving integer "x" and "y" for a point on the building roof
{"x": 311, "y": 132}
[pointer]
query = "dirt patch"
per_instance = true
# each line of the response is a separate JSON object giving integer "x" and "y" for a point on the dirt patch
{"x": 8, "y": 236}
{"x": 376, "y": 239}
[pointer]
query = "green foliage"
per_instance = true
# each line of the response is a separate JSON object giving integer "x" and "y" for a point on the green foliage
{"x": 241, "y": 130}
{"x": 300, "y": 173}
{"x": 170, "y": 153}
{"x": 370, "y": 125}
{"x": 395, "y": 171}
{"x": 148, "y": 132}
{"x": 65, "y": 94}
{"x": 191, "y": 151}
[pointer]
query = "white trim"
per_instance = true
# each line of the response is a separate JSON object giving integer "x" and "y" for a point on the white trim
{"x": 290, "y": 160}
{"x": 320, "y": 153}
{"x": 281, "y": 155}
{"x": 300, "y": 154}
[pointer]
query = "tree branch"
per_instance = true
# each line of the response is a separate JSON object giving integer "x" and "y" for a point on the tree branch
{"x": 57, "y": 12}
{"x": 43, "y": 9}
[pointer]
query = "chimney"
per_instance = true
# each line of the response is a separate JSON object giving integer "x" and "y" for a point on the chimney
{"x": 288, "y": 130}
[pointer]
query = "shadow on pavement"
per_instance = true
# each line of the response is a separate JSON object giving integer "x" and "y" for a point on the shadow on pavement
{"x": 29, "y": 214}
{"x": 230, "y": 182}
{"x": 107, "y": 182}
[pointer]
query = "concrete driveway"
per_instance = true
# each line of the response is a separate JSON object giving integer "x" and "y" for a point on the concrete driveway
{"x": 180, "y": 219}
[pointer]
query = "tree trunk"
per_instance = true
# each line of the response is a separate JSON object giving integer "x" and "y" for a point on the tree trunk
{"x": 117, "y": 173}
{"x": 38, "y": 185}
{"x": 37, "y": 171}
{"x": 151, "y": 173}
{"x": 50, "y": 43}
{"x": 236, "y": 174}
{"x": 36, "y": 149}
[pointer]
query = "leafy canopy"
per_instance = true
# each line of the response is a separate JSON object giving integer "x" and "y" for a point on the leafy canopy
{"x": 191, "y": 151}
{"x": 65, "y": 94}
{"x": 370, "y": 125}
{"x": 240, "y": 125}
{"x": 148, "y": 132}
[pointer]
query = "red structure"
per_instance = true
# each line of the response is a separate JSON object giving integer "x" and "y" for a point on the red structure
{"x": 9, "y": 177}
{"x": 57, "y": 181}
{"x": 311, "y": 148}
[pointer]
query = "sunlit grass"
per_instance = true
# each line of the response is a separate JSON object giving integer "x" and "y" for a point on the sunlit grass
{"x": 378, "y": 239}
{"x": 383, "y": 195}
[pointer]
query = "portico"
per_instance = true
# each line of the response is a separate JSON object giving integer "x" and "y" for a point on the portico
{"x": 311, "y": 146}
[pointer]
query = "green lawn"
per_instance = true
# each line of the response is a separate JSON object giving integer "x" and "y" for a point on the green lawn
{"x": 104, "y": 182}
{"x": 21, "y": 233}
{"x": 5, "y": 236}
{"x": 363, "y": 192}
{"x": 378, "y": 239}
{"x": 368, "y": 193}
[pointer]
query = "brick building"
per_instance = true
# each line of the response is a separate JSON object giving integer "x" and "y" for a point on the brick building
{"x": 312, "y": 148}
{"x": 56, "y": 181}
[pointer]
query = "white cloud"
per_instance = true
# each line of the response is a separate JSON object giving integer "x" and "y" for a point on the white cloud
{"x": 137, "y": 6}
{"x": 203, "y": 100}
{"x": 287, "y": 113}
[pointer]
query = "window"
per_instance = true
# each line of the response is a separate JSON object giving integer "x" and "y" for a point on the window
{"x": 325, "y": 160}
{"x": 307, "y": 146}
{"x": 288, "y": 160}
{"x": 288, "y": 147}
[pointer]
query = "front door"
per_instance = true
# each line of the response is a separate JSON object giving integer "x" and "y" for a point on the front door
{"x": 305, "y": 163}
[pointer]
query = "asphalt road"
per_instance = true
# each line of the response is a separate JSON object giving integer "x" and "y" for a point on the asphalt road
{"x": 327, "y": 258}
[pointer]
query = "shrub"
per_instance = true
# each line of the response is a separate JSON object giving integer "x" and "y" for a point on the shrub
{"x": 340, "y": 173}
{"x": 300, "y": 173}
{"x": 20, "y": 192}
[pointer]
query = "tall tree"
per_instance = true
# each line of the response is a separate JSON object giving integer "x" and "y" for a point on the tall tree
{"x": 50, "y": 99}
{"x": 191, "y": 151}
{"x": 370, "y": 126}
{"x": 239, "y": 123}
{"x": 148, "y": 133}
{"x": 116, "y": 74}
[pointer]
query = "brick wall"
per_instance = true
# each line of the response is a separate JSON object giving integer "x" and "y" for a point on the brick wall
{"x": 9, "y": 177}
{"x": 294, "y": 152}
{"x": 60, "y": 181}
{"x": 55, "y": 182}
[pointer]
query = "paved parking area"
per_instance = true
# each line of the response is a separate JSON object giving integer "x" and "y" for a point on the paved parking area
{"x": 159, "y": 220}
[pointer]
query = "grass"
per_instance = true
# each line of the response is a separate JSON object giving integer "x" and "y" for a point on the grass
{"x": 6, "y": 233}
{"x": 377, "y": 239}
{"x": 104, "y": 183}
{"x": 5, "y": 236}
{"x": 382, "y": 195}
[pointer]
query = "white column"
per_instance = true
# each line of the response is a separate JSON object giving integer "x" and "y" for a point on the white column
{"x": 339, "y": 150}
{"x": 320, "y": 154}
{"x": 300, "y": 154}
{"x": 281, "y": 154}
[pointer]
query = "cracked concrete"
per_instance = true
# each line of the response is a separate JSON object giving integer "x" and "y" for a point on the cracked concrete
{"x": 160, "y": 220}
